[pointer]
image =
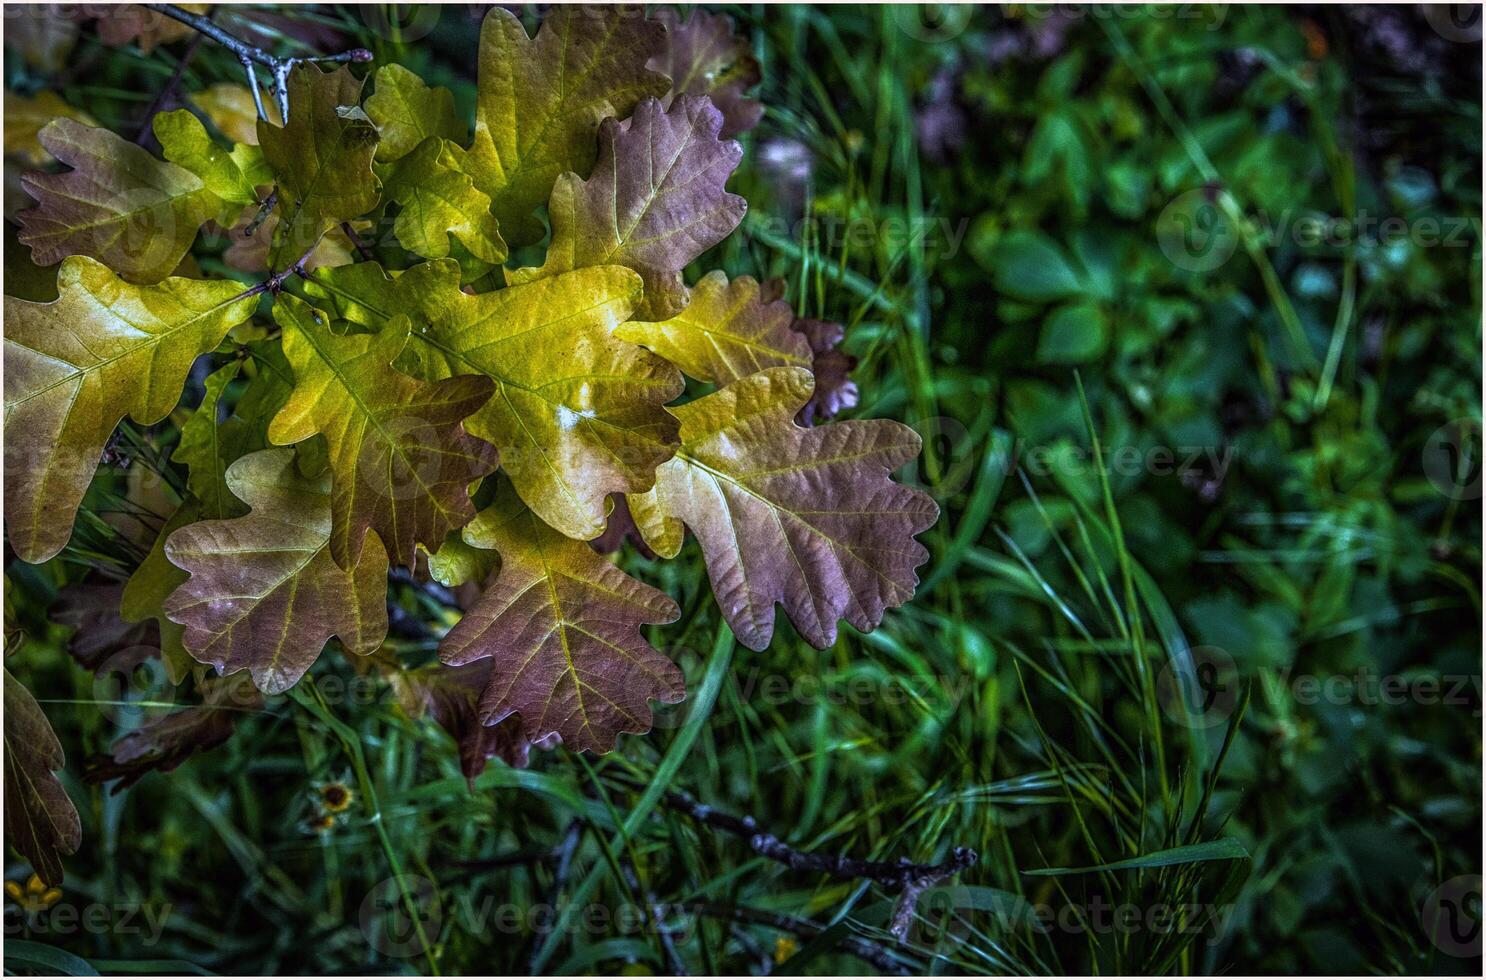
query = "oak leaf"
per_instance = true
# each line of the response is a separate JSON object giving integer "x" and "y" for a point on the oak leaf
{"x": 540, "y": 101}
{"x": 128, "y": 23}
{"x": 577, "y": 413}
{"x": 835, "y": 392}
{"x": 725, "y": 333}
{"x": 451, "y": 696}
{"x": 702, "y": 56}
{"x": 101, "y": 637}
{"x": 809, "y": 518}
{"x": 263, "y": 593}
{"x": 231, "y": 175}
{"x": 321, "y": 159}
{"x": 76, "y": 366}
{"x": 439, "y": 204}
{"x": 42, "y": 34}
{"x": 117, "y": 204}
{"x": 205, "y": 447}
{"x": 401, "y": 461}
{"x": 163, "y": 743}
{"x": 561, "y": 627}
{"x": 144, "y": 595}
{"x": 24, "y": 118}
{"x": 407, "y": 111}
{"x": 40, "y": 820}
{"x": 655, "y": 201}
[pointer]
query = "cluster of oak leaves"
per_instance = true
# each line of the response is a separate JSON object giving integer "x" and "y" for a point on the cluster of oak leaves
{"x": 374, "y": 400}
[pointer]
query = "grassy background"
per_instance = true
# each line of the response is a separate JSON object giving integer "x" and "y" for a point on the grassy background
{"x": 1184, "y": 462}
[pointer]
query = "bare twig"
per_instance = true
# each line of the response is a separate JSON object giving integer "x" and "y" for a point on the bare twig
{"x": 912, "y": 880}
{"x": 274, "y": 283}
{"x": 250, "y": 55}
{"x": 657, "y": 913}
{"x": 356, "y": 241}
{"x": 862, "y": 949}
{"x": 167, "y": 94}
{"x": 264, "y": 210}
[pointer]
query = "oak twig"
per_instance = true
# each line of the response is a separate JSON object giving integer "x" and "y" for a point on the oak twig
{"x": 250, "y": 54}
{"x": 355, "y": 239}
{"x": 274, "y": 283}
{"x": 863, "y": 949}
{"x": 911, "y": 880}
{"x": 171, "y": 90}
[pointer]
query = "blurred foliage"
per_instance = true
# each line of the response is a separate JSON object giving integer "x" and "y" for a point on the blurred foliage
{"x": 1009, "y": 210}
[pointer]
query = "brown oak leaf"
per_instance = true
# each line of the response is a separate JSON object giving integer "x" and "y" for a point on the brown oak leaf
{"x": 561, "y": 627}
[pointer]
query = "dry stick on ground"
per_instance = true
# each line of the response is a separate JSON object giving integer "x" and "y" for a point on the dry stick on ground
{"x": 565, "y": 851}
{"x": 249, "y": 55}
{"x": 911, "y": 880}
{"x": 656, "y": 910}
{"x": 863, "y": 949}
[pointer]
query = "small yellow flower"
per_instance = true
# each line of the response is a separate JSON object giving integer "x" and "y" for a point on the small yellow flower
{"x": 320, "y": 823}
{"x": 35, "y": 897}
{"x": 784, "y": 948}
{"x": 336, "y": 797}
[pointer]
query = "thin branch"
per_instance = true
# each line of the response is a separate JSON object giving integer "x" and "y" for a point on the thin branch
{"x": 355, "y": 239}
{"x": 167, "y": 94}
{"x": 250, "y": 54}
{"x": 911, "y": 880}
{"x": 657, "y": 913}
{"x": 863, "y": 949}
{"x": 274, "y": 283}
{"x": 264, "y": 210}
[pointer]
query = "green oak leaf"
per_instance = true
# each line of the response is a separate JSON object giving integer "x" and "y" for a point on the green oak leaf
{"x": 202, "y": 448}
{"x": 76, "y": 366}
{"x": 456, "y": 563}
{"x": 726, "y": 332}
{"x": 401, "y": 461}
{"x": 439, "y": 203}
{"x": 540, "y": 100}
{"x": 577, "y": 413}
{"x": 232, "y": 175}
{"x": 321, "y": 159}
{"x": 561, "y": 627}
{"x": 655, "y": 201}
{"x": 263, "y": 593}
{"x": 809, "y": 518}
{"x": 408, "y": 111}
